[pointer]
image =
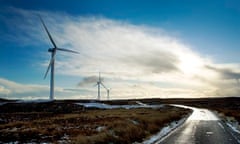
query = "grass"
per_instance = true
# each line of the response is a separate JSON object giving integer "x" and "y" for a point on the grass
{"x": 86, "y": 126}
{"x": 128, "y": 126}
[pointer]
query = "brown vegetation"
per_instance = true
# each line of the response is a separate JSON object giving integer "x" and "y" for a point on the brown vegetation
{"x": 70, "y": 123}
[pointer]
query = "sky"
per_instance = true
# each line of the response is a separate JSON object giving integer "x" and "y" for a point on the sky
{"x": 143, "y": 48}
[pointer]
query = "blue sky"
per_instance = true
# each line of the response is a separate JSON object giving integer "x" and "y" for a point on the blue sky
{"x": 168, "y": 41}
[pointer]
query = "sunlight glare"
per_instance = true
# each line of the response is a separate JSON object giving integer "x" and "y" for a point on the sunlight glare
{"x": 190, "y": 64}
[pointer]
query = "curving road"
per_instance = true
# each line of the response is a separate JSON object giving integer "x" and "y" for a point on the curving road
{"x": 202, "y": 127}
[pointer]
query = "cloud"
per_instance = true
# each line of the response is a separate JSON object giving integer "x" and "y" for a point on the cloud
{"x": 154, "y": 62}
{"x": 13, "y": 90}
{"x": 17, "y": 90}
{"x": 127, "y": 54}
{"x": 4, "y": 91}
{"x": 225, "y": 73}
{"x": 104, "y": 44}
{"x": 88, "y": 80}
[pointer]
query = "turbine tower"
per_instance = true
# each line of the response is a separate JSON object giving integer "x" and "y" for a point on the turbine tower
{"x": 52, "y": 60}
{"x": 108, "y": 92}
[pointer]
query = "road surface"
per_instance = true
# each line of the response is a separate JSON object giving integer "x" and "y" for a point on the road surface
{"x": 202, "y": 127}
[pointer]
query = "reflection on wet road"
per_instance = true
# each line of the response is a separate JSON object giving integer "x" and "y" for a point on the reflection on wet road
{"x": 202, "y": 127}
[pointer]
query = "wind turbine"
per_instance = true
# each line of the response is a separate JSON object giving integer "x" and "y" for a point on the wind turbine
{"x": 107, "y": 89}
{"x": 99, "y": 83}
{"x": 108, "y": 92}
{"x": 52, "y": 60}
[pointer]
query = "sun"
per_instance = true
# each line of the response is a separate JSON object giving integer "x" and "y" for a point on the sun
{"x": 190, "y": 64}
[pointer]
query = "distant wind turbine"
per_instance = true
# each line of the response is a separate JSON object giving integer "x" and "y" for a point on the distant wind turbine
{"x": 99, "y": 83}
{"x": 52, "y": 60}
{"x": 108, "y": 92}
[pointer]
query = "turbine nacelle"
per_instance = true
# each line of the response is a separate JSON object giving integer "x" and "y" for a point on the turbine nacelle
{"x": 51, "y": 49}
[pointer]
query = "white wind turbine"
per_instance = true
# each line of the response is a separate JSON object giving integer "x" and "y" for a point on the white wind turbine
{"x": 107, "y": 89}
{"x": 99, "y": 83}
{"x": 108, "y": 93}
{"x": 52, "y": 60}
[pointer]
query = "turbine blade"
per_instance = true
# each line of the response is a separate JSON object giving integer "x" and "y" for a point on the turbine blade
{"x": 95, "y": 85}
{"x": 50, "y": 64}
{"x": 48, "y": 33}
{"x": 103, "y": 85}
{"x": 99, "y": 77}
{"x": 66, "y": 50}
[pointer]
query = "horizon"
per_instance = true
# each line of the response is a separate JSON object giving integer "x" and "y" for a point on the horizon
{"x": 112, "y": 100}
{"x": 143, "y": 49}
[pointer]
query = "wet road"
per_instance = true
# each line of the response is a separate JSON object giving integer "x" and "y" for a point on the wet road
{"x": 202, "y": 127}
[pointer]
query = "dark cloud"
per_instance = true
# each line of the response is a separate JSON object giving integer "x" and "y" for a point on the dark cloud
{"x": 154, "y": 62}
{"x": 89, "y": 80}
{"x": 225, "y": 73}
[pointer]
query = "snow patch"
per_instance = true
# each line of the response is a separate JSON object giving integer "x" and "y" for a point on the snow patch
{"x": 134, "y": 122}
{"x": 64, "y": 139}
{"x": 2, "y": 120}
{"x": 140, "y": 103}
{"x": 34, "y": 101}
{"x": 106, "y": 106}
{"x": 13, "y": 129}
{"x": 233, "y": 126}
{"x": 231, "y": 122}
{"x": 221, "y": 125}
{"x": 95, "y": 105}
{"x": 100, "y": 128}
{"x": 165, "y": 131}
{"x": 3, "y": 103}
{"x": 15, "y": 142}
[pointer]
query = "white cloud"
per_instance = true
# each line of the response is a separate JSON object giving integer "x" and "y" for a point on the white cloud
{"x": 13, "y": 90}
{"x": 128, "y": 54}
